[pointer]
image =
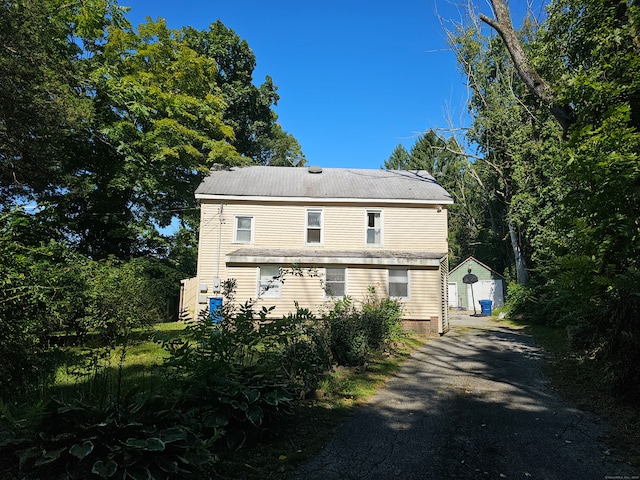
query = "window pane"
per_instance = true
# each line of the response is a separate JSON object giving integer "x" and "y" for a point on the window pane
{"x": 314, "y": 219}
{"x": 373, "y": 219}
{"x": 335, "y": 274}
{"x": 398, "y": 275}
{"x": 373, "y": 236}
{"x": 243, "y": 235}
{"x": 313, "y": 235}
{"x": 335, "y": 282}
{"x": 335, "y": 289}
{"x": 244, "y": 223}
{"x": 268, "y": 286}
{"x": 268, "y": 272}
{"x": 398, "y": 290}
{"x": 398, "y": 282}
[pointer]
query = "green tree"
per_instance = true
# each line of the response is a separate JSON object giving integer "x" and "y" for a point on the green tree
{"x": 517, "y": 146}
{"x": 167, "y": 104}
{"x": 248, "y": 111}
{"x": 43, "y": 106}
{"x": 585, "y": 57}
{"x": 399, "y": 159}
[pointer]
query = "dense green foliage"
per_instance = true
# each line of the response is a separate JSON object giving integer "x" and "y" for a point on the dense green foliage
{"x": 227, "y": 381}
{"x": 354, "y": 332}
{"x": 51, "y": 296}
{"x": 105, "y": 132}
{"x": 560, "y": 207}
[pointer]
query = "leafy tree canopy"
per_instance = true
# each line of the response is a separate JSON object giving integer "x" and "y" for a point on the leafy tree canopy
{"x": 110, "y": 129}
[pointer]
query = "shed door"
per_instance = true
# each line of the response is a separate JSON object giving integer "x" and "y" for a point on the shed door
{"x": 453, "y": 294}
{"x": 485, "y": 290}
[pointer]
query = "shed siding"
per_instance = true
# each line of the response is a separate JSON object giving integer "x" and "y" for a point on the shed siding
{"x": 482, "y": 272}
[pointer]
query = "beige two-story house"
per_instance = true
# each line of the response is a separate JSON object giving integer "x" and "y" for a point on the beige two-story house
{"x": 354, "y": 229}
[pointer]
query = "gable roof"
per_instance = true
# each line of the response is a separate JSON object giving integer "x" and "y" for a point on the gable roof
{"x": 478, "y": 262}
{"x": 290, "y": 183}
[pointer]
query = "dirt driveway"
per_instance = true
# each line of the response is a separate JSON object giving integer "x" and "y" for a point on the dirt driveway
{"x": 471, "y": 404}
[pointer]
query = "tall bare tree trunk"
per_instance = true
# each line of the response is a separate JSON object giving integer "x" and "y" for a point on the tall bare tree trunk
{"x": 536, "y": 84}
{"x": 522, "y": 275}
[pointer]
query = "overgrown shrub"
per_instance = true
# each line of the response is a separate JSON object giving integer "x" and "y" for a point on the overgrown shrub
{"x": 51, "y": 296}
{"x": 348, "y": 338}
{"x": 242, "y": 369}
{"x": 600, "y": 316}
{"x": 355, "y": 332}
{"x": 381, "y": 319}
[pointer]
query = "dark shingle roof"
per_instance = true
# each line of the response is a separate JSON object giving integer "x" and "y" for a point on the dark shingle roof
{"x": 331, "y": 183}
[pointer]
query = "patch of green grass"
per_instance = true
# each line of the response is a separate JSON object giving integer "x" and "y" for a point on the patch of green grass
{"x": 134, "y": 366}
{"x": 302, "y": 435}
{"x": 578, "y": 377}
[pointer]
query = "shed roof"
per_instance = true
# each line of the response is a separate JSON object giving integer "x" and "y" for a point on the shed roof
{"x": 472, "y": 258}
{"x": 330, "y": 183}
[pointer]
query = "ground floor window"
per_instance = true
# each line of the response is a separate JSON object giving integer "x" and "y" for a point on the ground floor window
{"x": 399, "y": 282}
{"x": 335, "y": 282}
{"x": 269, "y": 285}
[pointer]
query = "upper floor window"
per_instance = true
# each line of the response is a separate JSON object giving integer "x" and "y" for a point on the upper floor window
{"x": 314, "y": 227}
{"x": 399, "y": 282}
{"x": 335, "y": 282}
{"x": 374, "y": 227}
{"x": 269, "y": 284}
{"x": 243, "y": 231}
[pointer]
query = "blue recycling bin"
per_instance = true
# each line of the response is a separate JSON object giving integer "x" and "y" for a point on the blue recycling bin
{"x": 485, "y": 307}
{"x": 215, "y": 312}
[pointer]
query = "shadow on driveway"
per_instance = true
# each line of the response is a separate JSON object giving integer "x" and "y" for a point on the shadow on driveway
{"x": 471, "y": 404}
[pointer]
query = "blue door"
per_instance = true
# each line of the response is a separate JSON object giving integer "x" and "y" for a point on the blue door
{"x": 215, "y": 309}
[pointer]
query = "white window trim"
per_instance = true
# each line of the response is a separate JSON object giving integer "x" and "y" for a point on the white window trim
{"x": 235, "y": 228}
{"x": 275, "y": 291}
{"x": 306, "y": 226}
{"x": 408, "y": 283}
{"x": 326, "y": 294}
{"x": 366, "y": 227}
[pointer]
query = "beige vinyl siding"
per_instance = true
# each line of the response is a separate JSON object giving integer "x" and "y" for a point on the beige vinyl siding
{"x": 188, "y": 297}
{"x": 422, "y": 304}
{"x": 360, "y": 279}
{"x": 424, "y": 290}
{"x": 280, "y": 225}
{"x": 306, "y": 290}
{"x": 415, "y": 229}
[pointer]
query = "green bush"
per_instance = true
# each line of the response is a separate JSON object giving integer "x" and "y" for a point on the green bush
{"x": 140, "y": 437}
{"x": 241, "y": 370}
{"x": 356, "y": 332}
{"x": 348, "y": 338}
{"x": 381, "y": 320}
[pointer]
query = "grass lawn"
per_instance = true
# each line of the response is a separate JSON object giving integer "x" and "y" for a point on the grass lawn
{"x": 137, "y": 364}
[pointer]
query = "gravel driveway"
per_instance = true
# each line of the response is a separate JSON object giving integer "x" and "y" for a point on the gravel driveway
{"x": 471, "y": 404}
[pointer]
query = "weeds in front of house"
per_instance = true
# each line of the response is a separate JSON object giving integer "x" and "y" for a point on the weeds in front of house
{"x": 228, "y": 381}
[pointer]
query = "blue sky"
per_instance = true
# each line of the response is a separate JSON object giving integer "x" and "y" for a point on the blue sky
{"x": 355, "y": 78}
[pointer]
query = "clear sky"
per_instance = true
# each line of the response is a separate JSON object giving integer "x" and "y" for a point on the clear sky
{"x": 355, "y": 77}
